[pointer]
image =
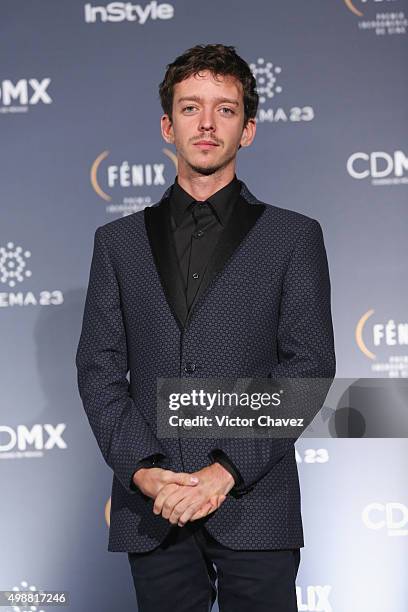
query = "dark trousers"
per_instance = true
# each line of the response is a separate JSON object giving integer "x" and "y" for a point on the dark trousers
{"x": 179, "y": 575}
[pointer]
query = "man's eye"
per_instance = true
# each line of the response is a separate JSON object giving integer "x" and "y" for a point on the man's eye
{"x": 224, "y": 108}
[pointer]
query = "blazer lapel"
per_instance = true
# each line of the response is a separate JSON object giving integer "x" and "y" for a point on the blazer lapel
{"x": 157, "y": 220}
{"x": 158, "y": 227}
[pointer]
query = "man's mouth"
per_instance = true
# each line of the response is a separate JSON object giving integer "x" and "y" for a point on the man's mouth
{"x": 205, "y": 144}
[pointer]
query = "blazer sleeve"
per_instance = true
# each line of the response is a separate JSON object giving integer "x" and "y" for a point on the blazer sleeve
{"x": 123, "y": 435}
{"x": 305, "y": 346}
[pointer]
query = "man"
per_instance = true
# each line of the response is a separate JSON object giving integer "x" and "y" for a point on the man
{"x": 208, "y": 282}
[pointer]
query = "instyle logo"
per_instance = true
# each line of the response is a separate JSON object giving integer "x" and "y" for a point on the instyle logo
{"x": 115, "y": 12}
{"x": 30, "y": 441}
{"x": 269, "y": 86}
{"x": 391, "y": 516}
{"x": 17, "y": 97}
{"x": 314, "y": 598}
{"x": 13, "y": 270}
{"x": 381, "y": 167}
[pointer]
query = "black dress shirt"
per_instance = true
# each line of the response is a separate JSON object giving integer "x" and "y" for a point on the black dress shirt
{"x": 197, "y": 227}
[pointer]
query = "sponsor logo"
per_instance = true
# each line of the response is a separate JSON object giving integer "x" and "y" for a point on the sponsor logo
{"x": 312, "y": 455}
{"x": 391, "y": 516}
{"x": 384, "y": 23}
{"x": 30, "y": 441}
{"x": 381, "y": 167}
{"x": 314, "y": 598}
{"x": 269, "y": 85}
{"x": 116, "y": 12}
{"x": 18, "y": 97}
{"x": 14, "y": 270}
{"x": 109, "y": 178}
{"x": 376, "y": 338}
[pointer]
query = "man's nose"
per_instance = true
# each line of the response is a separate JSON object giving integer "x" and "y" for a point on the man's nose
{"x": 207, "y": 121}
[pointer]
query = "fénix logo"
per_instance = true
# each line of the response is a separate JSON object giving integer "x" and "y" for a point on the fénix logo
{"x": 314, "y": 598}
{"x": 386, "y": 340}
{"x": 391, "y": 516}
{"x": 356, "y": 6}
{"x": 381, "y": 17}
{"x": 125, "y": 175}
{"x": 383, "y": 168}
{"x": 24, "y": 441}
{"x": 115, "y": 12}
{"x": 390, "y": 333}
{"x": 23, "y": 93}
{"x": 113, "y": 177}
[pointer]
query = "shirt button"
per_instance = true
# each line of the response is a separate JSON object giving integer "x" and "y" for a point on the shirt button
{"x": 190, "y": 366}
{"x": 198, "y": 234}
{"x": 195, "y": 275}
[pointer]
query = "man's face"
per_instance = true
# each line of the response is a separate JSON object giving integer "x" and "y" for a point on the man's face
{"x": 207, "y": 109}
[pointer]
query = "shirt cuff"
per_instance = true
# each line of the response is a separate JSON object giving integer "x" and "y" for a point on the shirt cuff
{"x": 217, "y": 455}
{"x": 148, "y": 462}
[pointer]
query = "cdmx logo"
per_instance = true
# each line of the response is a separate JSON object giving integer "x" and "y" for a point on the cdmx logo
{"x": 378, "y": 165}
{"x": 38, "y": 437}
{"x": 13, "y": 264}
{"x": 351, "y": 5}
{"x": 25, "y": 92}
{"x": 391, "y": 516}
{"x": 126, "y": 175}
{"x": 388, "y": 334}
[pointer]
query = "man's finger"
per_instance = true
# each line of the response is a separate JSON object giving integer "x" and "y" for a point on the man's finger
{"x": 162, "y": 495}
{"x": 213, "y": 504}
{"x": 204, "y": 511}
{"x": 181, "y": 478}
{"x": 192, "y": 510}
{"x": 172, "y": 499}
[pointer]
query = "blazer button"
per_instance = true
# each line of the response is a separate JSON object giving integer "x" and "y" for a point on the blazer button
{"x": 190, "y": 367}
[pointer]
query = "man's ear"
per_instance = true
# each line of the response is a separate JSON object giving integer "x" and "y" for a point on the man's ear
{"x": 248, "y": 133}
{"x": 167, "y": 128}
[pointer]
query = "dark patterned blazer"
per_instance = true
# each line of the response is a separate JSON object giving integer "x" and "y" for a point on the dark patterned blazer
{"x": 262, "y": 310}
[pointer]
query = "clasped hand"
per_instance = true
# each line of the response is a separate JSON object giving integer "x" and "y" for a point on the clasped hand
{"x": 179, "y": 497}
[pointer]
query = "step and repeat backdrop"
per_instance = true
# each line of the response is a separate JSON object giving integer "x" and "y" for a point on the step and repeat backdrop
{"x": 81, "y": 146}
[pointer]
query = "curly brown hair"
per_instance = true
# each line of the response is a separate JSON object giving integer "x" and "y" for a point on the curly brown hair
{"x": 220, "y": 60}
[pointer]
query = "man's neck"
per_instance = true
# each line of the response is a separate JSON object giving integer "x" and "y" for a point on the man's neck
{"x": 202, "y": 187}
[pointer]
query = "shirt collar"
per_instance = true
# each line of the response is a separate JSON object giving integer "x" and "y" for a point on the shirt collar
{"x": 221, "y": 201}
